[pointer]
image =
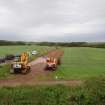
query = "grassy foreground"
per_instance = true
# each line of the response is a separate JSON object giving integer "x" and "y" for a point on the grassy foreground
{"x": 82, "y": 63}
{"x": 91, "y": 93}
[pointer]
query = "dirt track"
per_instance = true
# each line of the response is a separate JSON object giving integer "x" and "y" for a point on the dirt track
{"x": 38, "y": 75}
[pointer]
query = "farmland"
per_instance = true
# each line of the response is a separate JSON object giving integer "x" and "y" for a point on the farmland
{"x": 91, "y": 93}
{"x": 82, "y": 63}
{"x": 23, "y": 48}
{"x": 78, "y": 63}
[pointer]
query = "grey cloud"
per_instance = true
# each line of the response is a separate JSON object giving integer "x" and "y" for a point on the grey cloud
{"x": 81, "y": 38}
{"x": 52, "y": 19}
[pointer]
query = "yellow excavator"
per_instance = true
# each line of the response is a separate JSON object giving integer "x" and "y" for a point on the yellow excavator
{"x": 21, "y": 65}
{"x": 51, "y": 63}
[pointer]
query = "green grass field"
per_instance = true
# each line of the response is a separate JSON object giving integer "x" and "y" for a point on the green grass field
{"x": 82, "y": 63}
{"x": 91, "y": 93}
{"x": 19, "y": 49}
{"x": 77, "y": 63}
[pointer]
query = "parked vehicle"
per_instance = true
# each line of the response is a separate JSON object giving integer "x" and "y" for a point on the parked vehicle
{"x": 34, "y": 52}
{"x": 9, "y": 57}
{"x": 2, "y": 59}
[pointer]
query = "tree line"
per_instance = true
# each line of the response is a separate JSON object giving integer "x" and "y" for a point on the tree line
{"x": 74, "y": 44}
{"x": 64, "y": 44}
{"x": 4, "y": 42}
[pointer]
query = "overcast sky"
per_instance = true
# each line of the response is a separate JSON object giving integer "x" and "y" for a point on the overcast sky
{"x": 52, "y": 20}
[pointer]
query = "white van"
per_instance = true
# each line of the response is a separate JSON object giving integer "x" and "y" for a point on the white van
{"x": 34, "y": 52}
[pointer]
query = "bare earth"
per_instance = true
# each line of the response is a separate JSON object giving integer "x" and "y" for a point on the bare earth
{"x": 38, "y": 75}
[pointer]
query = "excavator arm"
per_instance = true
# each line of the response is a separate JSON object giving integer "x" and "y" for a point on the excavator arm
{"x": 22, "y": 65}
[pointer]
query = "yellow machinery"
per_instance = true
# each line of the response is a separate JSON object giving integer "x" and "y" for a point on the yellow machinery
{"x": 21, "y": 64}
{"x": 51, "y": 63}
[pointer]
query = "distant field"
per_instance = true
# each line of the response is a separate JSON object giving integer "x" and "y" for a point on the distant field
{"x": 82, "y": 63}
{"x": 18, "y": 49}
